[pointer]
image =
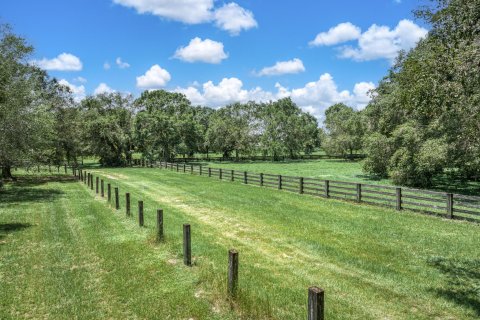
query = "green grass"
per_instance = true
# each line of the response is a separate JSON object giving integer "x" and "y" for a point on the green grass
{"x": 70, "y": 255}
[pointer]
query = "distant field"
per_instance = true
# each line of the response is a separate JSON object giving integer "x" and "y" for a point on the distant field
{"x": 65, "y": 253}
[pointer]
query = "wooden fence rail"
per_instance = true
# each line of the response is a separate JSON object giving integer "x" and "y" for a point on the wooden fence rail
{"x": 448, "y": 205}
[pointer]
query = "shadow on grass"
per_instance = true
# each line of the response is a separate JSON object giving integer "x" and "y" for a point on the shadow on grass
{"x": 24, "y": 189}
{"x": 6, "y": 228}
{"x": 462, "y": 281}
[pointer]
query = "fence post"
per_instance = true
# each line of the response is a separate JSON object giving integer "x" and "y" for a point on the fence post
{"x": 187, "y": 245}
{"x": 159, "y": 225}
{"x": 245, "y": 177}
{"x": 88, "y": 179}
{"x": 191, "y": 169}
{"x": 140, "y": 213}
{"x": 279, "y": 182}
{"x": 327, "y": 189}
{"x": 102, "y": 189}
{"x": 184, "y": 167}
{"x": 233, "y": 175}
{"x": 127, "y": 204}
{"x": 359, "y": 192}
{"x": 450, "y": 205}
{"x": 91, "y": 182}
{"x": 261, "y": 179}
{"x": 301, "y": 185}
{"x": 209, "y": 172}
{"x": 117, "y": 202}
{"x": 220, "y": 174}
{"x": 177, "y": 166}
{"x": 232, "y": 272}
{"x": 109, "y": 192}
{"x": 96, "y": 184}
{"x": 398, "y": 192}
{"x": 315, "y": 303}
{"x": 200, "y": 169}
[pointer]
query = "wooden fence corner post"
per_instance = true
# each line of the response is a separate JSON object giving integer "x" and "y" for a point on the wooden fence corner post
{"x": 160, "y": 235}
{"x": 398, "y": 194}
{"x": 316, "y": 303}
{"x": 187, "y": 245}
{"x": 232, "y": 273}
{"x": 140, "y": 213}
{"x": 450, "y": 205}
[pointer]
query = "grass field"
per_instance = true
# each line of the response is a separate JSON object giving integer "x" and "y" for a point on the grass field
{"x": 65, "y": 253}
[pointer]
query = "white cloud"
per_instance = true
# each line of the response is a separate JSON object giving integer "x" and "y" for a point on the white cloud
{"x": 103, "y": 88}
{"x": 77, "y": 91}
{"x": 207, "y": 50}
{"x": 80, "y": 80}
{"x": 230, "y": 17}
{"x": 63, "y": 62}
{"x": 381, "y": 42}
{"x": 283, "y": 67}
{"x": 343, "y": 32}
{"x": 122, "y": 64}
{"x": 233, "y": 18}
{"x": 186, "y": 11}
{"x": 314, "y": 97}
{"x": 106, "y": 66}
{"x": 154, "y": 78}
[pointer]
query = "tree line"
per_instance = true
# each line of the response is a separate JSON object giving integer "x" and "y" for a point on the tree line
{"x": 423, "y": 121}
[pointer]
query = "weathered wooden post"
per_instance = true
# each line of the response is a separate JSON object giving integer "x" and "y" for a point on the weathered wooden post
{"x": 96, "y": 184}
{"x": 184, "y": 168}
{"x": 140, "y": 213}
{"x": 300, "y": 185}
{"x": 102, "y": 189}
{"x": 187, "y": 245}
{"x": 177, "y": 166}
{"x": 127, "y": 204}
{"x": 117, "y": 202}
{"x": 450, "y": 205}
{"x": 91, "y": 182}
{"x": 191, "y": 169}
{"x": 209, "y": 172}
{"x": 233, "y": 175}
{"x": 245, "y": 177}
{"x": 359, "y": 192}
{"x": 327, "y": 189}
{"x": 261, "y": 179}
{"x": 88, "y": 179}
{"x": 200, "y": 169}
{"x": 159, "y": 225}
{"x": 279, "y": 182}
{"x": 109, "y": 192}
{"x": 398, "y": 192}
{"x": 220, "y": 174}
{"x": 232, "y": 273}
{"x": 316, "y": 303}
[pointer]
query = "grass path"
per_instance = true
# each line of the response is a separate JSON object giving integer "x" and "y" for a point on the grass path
{"x": 373, "y": 263}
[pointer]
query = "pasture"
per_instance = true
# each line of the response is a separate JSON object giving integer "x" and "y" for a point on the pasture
{"x": 69, "y": 253}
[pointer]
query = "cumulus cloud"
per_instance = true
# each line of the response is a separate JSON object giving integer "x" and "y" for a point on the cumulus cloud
{"x": 77, "y": 91}
{"x": 80, "y": 80}
{"x": 155, "y": 78}
{"x": 122, "y": 64}
{"x": 233, "y": 18}
{"x": 343, "y": 32}
{"x": 103, "y": 88}
{"x": 314, "y": 97}
{"x": 381, "y": 42}
{"x": 106, "y": 66}
{"x": 378, "y": 42}
{"x": 283, "y": 67}
{"x": 63, "y": 62}
{"x": 230, "y": 17}
{"x": 199, "y": 50}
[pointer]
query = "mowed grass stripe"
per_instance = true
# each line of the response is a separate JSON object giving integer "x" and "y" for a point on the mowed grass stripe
{"x": 68, "y": 256}
{"x": 374, "y": 262}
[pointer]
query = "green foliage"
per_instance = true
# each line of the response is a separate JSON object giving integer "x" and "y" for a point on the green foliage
{"x": 345, "y": 130}
{"x": 428, "y": 106}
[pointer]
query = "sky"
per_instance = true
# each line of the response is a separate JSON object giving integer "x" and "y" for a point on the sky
{"x": 219, "y": 52}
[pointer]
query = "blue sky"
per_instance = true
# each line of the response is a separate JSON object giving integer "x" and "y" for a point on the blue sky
{"x": 216, "y": 52}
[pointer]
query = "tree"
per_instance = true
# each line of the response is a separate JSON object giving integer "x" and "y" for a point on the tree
{"x": 26, "y": 97}
{"x": 108, "y": 121}
{"x": 428, "y": 106}
{"x": 345, "y": 130}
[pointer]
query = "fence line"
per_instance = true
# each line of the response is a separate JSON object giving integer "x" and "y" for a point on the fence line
{"x": 447, "y": 205}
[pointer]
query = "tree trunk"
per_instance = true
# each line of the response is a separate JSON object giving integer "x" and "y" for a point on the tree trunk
{"x": 7, "y": 173}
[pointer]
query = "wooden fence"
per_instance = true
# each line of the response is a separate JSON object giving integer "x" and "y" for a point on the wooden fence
{"x": 266, "y": 158}
{"x": 448, "y": 205}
